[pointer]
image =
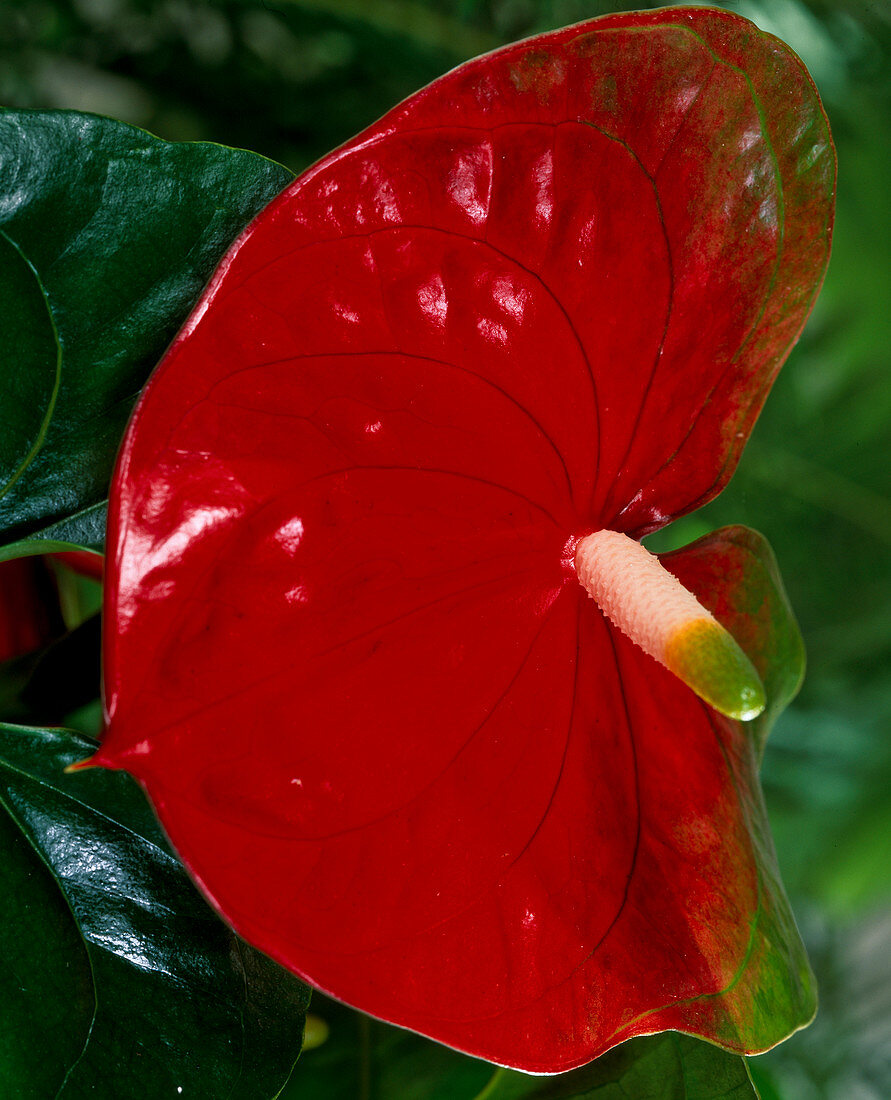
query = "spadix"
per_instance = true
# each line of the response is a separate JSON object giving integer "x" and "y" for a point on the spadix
{"x": 637, "y": 593}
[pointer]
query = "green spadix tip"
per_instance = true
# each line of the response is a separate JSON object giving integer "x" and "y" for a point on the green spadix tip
{"x": 705, "y": 656}
{"x": 650, "y": 605}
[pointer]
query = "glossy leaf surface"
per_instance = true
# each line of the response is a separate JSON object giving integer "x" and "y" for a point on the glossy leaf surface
{"x": 347, "y": 653}
{"x": 138, "y": 989}
{"x": 84, "y": 530}
{"x": 48, "y": 1003}
{"x": 107, "y": 236}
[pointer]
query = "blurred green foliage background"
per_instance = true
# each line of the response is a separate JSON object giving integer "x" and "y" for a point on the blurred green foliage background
{"x": 294, "y": 78}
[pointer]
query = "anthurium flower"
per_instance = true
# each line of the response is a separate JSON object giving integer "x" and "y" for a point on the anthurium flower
{"x": 347, "y": 650}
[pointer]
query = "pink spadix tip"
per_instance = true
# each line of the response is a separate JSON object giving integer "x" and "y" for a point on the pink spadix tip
{"x": 637, "y": 593}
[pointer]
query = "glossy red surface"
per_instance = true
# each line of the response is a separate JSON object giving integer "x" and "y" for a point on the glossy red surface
{"x": 346, "y": 652}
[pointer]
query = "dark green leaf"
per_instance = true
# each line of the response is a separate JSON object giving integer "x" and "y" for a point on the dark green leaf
{"x": 84, "y": 530}
{"x": 177, "y": 1004}
{"x": 109, "y": 234}
{"x": 61, "y": 677}
{"x": 30, "y": 365}
{"x": 47, "y": 1002}
{"x": 365, "y": 1058}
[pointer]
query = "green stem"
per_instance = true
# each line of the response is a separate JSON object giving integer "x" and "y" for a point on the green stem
{"x": 491, "y": 1085}
{"x": 364, "y": 1058}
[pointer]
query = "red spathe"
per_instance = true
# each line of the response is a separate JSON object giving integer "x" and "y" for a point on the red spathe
{"x": 346, "y": 651}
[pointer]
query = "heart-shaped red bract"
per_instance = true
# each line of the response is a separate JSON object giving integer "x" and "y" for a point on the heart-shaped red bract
{"x": 346, "y": 650}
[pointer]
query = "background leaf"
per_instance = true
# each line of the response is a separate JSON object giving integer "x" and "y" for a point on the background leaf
{"x": 49, "y": 683}
{"x": 47, "y": 996}
{"x": 163, "y": 997}
{"x": 84, "y": 530}
{"x": 30, "y": 364}
{"x": 49, "y": 641}
{"x": 669, "y": 1066}
{"x": 109, "y": 234}
{"x": 30, "y": 612}
{"x": 363, "y": 1057}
